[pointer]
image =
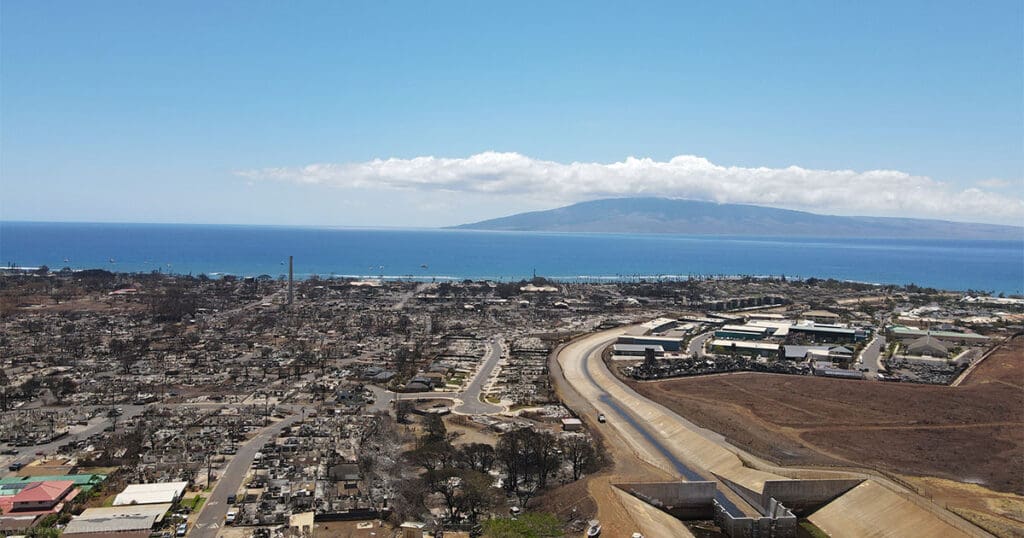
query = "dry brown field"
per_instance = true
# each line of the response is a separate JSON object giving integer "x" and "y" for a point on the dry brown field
{"x": 937, "y": 439}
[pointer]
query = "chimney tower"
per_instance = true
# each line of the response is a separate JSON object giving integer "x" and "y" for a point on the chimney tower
{"x": 291, "y": 279}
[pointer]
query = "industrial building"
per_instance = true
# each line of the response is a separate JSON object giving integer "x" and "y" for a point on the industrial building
{"x": 666, "y": 343}
{"x": 902, "y": 333}
{"x": 742, "y": 332}
{"x": 762, "y": 349}
{"x": 799, "y": 353}
{"x": 830, "y": 333}
{"x": 927, "y": 345}
{"x": 636, "y": 350}
{"x": 821, "y": 316}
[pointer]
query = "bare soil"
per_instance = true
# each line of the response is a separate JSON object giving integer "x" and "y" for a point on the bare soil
{"x": 968, "y": 435}
{"x": 972, "y": 433}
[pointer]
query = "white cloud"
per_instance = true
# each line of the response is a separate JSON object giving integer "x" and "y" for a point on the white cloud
{"x": 994, "y": 183}
{"x": 848, "y": 192}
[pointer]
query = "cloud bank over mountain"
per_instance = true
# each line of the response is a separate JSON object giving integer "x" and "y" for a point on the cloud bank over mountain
{"x": 843, "y": 192}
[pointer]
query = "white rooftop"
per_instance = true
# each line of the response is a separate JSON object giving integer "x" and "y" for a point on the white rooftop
{"x": 163, "y": 492}
{"x": 117, "y": 518}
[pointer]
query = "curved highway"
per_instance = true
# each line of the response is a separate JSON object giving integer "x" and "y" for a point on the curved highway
{"x": 655, "y": 433}
{"x": 674, "y": 444}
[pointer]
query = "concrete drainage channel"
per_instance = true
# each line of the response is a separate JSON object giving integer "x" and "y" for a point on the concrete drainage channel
{"x": 699, "y": 501}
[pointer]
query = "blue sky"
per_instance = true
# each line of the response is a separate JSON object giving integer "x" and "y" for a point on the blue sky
{"x": 215, "y": 111}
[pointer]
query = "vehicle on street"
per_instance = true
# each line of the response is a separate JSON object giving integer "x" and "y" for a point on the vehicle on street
{"x": 230, "y": 519}
{"x": 601, "y": 418}
{"x": 593, "y": 528}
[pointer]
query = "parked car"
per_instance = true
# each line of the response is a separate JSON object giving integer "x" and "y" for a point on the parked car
{"x": 601, "y": 418}
{"x": 232, "y": 499}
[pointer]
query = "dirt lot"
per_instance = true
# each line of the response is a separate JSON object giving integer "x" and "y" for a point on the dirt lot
{"x": 971, "y": 434}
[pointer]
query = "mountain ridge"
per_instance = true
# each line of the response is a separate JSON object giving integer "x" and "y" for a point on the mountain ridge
{"x": 678, "y": 216}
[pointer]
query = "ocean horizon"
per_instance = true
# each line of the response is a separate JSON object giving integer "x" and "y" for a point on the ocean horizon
{"x": 431, "y": 253}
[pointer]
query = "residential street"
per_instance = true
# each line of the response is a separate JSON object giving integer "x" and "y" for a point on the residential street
{"x": 469, "y": 399}
{"x": 211, "y": 516}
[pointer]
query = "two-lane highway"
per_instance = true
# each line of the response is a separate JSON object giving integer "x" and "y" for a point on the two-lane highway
{"x": 657, "y": 435}
{"x": 670, "y": 442}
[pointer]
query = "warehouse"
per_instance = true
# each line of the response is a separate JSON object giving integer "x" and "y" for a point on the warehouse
{"x": 636, "y": 350}
{"x": 742, "y": 332}
{"x": 761, "y": 349}
{"x": 830, "y": 333}
{"x": 821, "y": 316}
{"x": 927, "y": 346}
{"x": 902, "y": 333}
{"x": 799, "y": 353}
{"x": 667, "y": 344}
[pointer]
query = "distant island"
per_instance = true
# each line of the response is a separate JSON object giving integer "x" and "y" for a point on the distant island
{"x": 671, "y": 216}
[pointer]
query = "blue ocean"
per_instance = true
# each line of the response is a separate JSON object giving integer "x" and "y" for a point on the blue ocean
{"x": 996, "y": 266}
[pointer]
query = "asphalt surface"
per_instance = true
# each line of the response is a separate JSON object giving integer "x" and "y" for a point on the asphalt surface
{"x": 468, "y": 401}
{"x": 471, "y": 402}
{"x": 871, "y": 357}
{"x": 585, "y": 362}
{"x": 696, "y": 346}
{"x": 28, "y": 453}
{"x": 211, "y": 516}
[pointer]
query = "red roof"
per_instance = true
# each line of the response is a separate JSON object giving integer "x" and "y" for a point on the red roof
{"x": 50, "y": 491}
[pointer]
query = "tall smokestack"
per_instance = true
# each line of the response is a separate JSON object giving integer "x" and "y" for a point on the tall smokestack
{"x": 291, "y": 280}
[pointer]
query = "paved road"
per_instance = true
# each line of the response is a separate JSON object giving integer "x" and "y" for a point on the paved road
{"x": 696, "y": 346}
{"x": 211, "y": 515}
{"x": 28, "y": 453}
{"x": 406, "y": 297}
{"x": 468, "y": 401}
{"x": 471, "y": 402}
{"x": 653, "y": 431}
{"x": 669, "y": 441}
{"x": 871, "y": 357}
